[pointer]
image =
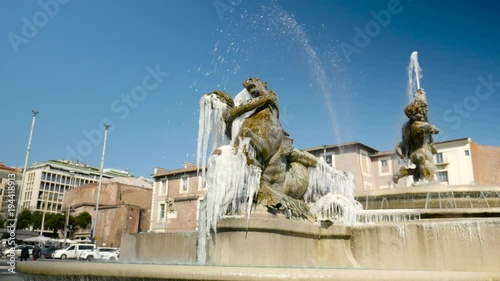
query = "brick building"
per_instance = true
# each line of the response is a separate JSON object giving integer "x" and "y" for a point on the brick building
{"x": 124, "y": 207}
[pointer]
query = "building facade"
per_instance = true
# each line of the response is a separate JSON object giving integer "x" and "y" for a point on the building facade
{"x": 9, "y": 177}
{"x": 124, "y": 207}
{"x": 176, "y": 199}
{"x": 46, "y": 184}
{"x": 458, "y": 162}
{"x": 177, "y": 193}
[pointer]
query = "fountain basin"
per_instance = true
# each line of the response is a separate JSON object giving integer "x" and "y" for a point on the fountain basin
{"x": 40, "y": 270}
{"x": 431, "y": 197}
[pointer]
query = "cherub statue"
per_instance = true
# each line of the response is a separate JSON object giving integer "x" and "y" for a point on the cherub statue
{"x": 417, "y": 143}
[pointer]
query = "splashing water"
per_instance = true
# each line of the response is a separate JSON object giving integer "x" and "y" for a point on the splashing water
{"x": 239, "y": 52}
{"x": 414, "y": 75}
{"x": 284, "y": 21}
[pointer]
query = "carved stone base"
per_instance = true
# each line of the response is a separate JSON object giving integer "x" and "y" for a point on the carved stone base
{"x": 272, "y": 240}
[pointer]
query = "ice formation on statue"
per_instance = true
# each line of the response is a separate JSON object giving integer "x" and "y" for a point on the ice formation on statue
{"x": 234, "y": 170}
{"x": 232, "y": 183}
{"x": 330, "y": 194}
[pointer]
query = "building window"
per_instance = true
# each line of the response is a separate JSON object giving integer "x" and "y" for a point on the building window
{"x": 184, "y": 183}
{"x": 467, "y": 153}
{"x": 439, "y": 158}
{"x": 162, "y": 211}
{"x": 442, "y": 176}
{"x": 163, "y": 186}
{"x": 383, "y": 163}
{"x": 328, "y": 160}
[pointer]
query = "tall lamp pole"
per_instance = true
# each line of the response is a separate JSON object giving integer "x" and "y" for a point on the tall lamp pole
{"x": 106, "y": 127}
{"x": 45, "y": 203}
{"x": 23, "y": 181}
{"x": 66, "y": 224}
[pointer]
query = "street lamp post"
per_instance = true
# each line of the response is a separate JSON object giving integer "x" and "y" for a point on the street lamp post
{"x": 66, "y": 224}
{"x": 44, "y": 211}
{"x": 19, "y": 202}
{"x": 106, "y": 127}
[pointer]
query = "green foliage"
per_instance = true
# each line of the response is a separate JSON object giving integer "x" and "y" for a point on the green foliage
{"x": 24, "y": 220}
{"x": 2, "y": 221}
{"x": 83, "y": 220}
{"x": 54, "y": 222}
{"x": 36, "y": 219}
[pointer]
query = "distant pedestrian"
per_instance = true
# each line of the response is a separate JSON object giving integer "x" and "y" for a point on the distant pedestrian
{"x": 25, "y": 253}
{"x": 36, "y": 252}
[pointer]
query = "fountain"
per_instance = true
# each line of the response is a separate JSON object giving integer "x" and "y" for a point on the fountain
{"x": 274, "y": 212}
{"x": 417, "y": 146}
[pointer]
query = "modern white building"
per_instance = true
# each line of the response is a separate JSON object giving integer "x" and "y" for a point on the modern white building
{"x": 47, "y": 183}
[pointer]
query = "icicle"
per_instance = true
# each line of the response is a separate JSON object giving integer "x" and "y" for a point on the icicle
{"x": 211, "y": 127}
{"x": 242, "y": 97}
{"x": 387, "y": 216}
{"x": 331, "y": 194}
{"x": 335, "y": 208}
{"x": 325, "y": 179}
{"x": 231, "y": 183}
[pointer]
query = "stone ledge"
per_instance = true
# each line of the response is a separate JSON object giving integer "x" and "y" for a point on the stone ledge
{"x": 296, "y": 228}
{"x": 94, "y": 271}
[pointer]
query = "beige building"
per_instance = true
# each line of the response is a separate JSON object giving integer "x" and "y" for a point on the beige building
{"x": 124, "y": 207}
{"x": 177, "y": 193}
{"x": 458, "y": 162}
{"x": 176, "y": 199}
{"x": 9, "y": 177}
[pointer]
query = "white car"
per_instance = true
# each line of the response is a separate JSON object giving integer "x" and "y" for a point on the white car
{"x": 17, "y": 250}
{"x": 111, "y": 256}
{"x": 73, "y": 251}
{"x": 97, "y": 254}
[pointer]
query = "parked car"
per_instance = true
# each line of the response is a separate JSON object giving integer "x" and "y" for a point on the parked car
{"x": 98, "y": 253}
{"x": 111, "y": 256}
{"x": 47, "y": 252}
{"x": 73, "y": 251}
{"x": 17, "y": 250}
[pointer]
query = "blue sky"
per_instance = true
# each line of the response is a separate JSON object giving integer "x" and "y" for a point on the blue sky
{"x": 82, "y": 63}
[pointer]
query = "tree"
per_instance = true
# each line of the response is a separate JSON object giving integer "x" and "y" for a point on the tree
{"x": 24, "y": 219}
{"x": 54, "y": 222}
{"x": 36, "y": 219}
{"x": 83, "y": 220}
{"x": 2, "y": 221}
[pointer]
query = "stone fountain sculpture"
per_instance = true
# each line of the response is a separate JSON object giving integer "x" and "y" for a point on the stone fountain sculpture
{"x": 417, "y": 143}
{"x": 284, "y": 169}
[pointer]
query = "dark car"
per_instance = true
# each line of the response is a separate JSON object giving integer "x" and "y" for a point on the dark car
{"x": 46, "y": 253}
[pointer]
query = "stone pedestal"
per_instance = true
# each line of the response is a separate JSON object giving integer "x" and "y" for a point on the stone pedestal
{"x": 270, "y": 240}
